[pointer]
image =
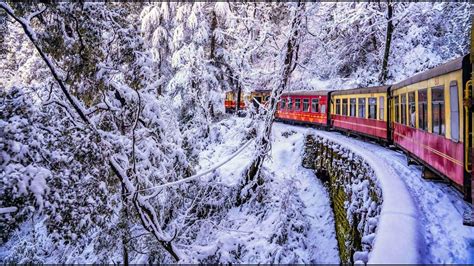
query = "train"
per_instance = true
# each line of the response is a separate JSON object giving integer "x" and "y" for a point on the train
{"x": 427, "y": 116}
{"x": 256, "y": 97}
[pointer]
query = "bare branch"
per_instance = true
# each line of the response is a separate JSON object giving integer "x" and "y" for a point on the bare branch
{"x": 35, "y": 14}
{"x": 133, "y": 133}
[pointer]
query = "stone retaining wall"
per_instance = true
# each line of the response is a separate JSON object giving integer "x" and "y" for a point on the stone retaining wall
{"x": 355, "y": 195}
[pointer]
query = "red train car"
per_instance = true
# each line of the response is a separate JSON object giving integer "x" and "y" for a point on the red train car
{"x": 430, "y": 124}
{"x": 304, "y": 106}
{"x": 362, "y": 111}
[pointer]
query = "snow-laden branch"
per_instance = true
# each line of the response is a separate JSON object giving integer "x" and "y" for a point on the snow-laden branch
{"x": 187, "y": 179}
{"x": 8, "y": 210}
{"x": 35, "y": 14}
{"x": 146, "y": 212}
{"x": 25, "y": 24}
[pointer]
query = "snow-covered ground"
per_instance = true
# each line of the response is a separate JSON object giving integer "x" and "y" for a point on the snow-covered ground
{"x": 296, "y": 200}
{"x": 441, "y": 206}
{"x": 285, "y": 163}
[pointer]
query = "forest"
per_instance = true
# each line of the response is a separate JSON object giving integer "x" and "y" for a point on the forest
{"x": 111, "y": 111}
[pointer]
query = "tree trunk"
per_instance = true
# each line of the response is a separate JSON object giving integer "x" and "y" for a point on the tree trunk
{"x": 239, "y": 94}
{"x": 213, "y": 38}
{"x": 212, "y": 55}
{"x": 3, "y": 33}
{"x": 263, "y": 141}
{"x": 388, "y": 41}
{"x": 125, "y": 234}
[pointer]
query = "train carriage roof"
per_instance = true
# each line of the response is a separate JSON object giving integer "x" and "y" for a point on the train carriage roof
{"x": 377, "y": 89}
{"x": 306, "y": 93}
{"x": 450, "y": 66}
{"x": 262, "y": 91}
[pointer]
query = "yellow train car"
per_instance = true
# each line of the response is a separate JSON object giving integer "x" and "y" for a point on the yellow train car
{"x": 362, "y": 111}
{"x": 260, "y": 97}
{"x": 430, "y": 123}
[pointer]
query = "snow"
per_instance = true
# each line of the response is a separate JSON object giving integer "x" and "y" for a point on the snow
{"x": 38, "y": 184}
{"x": 198, "y": 175}
{"x": 286, "y": 163}
{"x": 438, "y": 207}
{"x": 5, "y": 210}
{"x": 221, "y": 149}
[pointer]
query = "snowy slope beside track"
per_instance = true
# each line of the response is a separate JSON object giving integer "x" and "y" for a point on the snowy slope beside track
{"x": 293, "y": 224}
{"x": 285, "y": 163}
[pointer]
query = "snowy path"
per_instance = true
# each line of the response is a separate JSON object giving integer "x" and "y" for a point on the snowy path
{"x": 285, "y": 160}
{"x": 440, "y": 205}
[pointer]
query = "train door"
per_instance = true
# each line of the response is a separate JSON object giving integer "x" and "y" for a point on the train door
{"x": 472, "y": 139}
{"x": 388, "y": 115}
{"x": 468, "y": 113}
{"x": 468, "y": 127}
{"x": 394, "y": 112}
{"x": 469, "y": 90}
{"x": 471, "y": 221}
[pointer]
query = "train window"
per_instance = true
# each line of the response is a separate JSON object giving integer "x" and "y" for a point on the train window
{"x": 344, "y": 106}
{"x": 305, "y": 105}
{"x": 290, "y": 105}
{"x": 397, "y": 109}
{"x": 403, "y": 112}
{"x": 381, "y": 107}
{"x": 282, "y": 104}
{"x": 373, "y": 108}
{"x": 297, "y": 104}
{"x": 352, "y": 107}
{"x": 315, "y": 105}
{"x": 437, "y": 107}
{"x": 453, "y": 92}
{"x": 338, "y": 106}
{"x": 362, "y": 107}
{"x": 412, "y": 109}
{"x": 422, "y": 109}
{"x": 323, "y": 108}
